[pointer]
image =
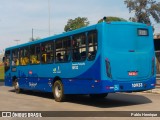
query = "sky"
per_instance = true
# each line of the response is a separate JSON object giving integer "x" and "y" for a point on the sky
{"x": 19, "y": 17}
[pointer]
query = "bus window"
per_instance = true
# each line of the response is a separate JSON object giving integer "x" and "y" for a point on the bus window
{"x": 92, "y": 45}
{"x": 15, "y": 57}
{"x": 7, "y": 60}
{"x": 47, "y": 50}
{"x": 63, "y": 47}
{"x": 24, "y": 56}
{"x": 79, "y": 47}
{"x": 35, "y": 54}
{"x": 67, "y": 49}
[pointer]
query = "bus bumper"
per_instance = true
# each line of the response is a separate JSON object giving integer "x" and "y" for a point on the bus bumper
{"x": 107, "y": 86}
{"x": 129, "y": 86}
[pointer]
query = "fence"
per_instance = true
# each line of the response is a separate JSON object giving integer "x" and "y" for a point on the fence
{"x": 158, "y": 61}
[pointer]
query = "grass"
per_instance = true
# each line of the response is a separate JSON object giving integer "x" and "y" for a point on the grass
{"x": 1, "y": 73}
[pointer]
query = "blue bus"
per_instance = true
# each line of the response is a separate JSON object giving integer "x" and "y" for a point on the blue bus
{"x": 94, "y": 60}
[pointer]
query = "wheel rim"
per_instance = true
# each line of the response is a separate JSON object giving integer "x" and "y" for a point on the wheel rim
{"x": 58, "y": 91}
{"x": 16, "y": 85}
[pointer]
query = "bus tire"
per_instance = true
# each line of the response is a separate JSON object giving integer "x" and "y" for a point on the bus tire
{"x": 98, "y": 96}
{"x": 58, "y": 91}
{"x": 16, "y": 86}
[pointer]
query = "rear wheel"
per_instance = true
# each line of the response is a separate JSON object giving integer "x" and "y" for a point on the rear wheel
{"x": 58, "y": 91}
{"x": 16, "y": 86}
{"x": 98, "y": 96}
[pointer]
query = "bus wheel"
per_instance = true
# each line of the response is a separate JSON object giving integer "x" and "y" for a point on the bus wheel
{"x": 16, "y": 86}
{"x": 98, "y": 96}
{"x": 58, "y": 91}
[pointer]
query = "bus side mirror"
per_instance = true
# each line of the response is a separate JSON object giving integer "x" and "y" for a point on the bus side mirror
{"x": 3, "y": 59}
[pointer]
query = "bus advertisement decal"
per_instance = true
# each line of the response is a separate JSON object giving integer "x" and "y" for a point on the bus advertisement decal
{"x": 75, "y": 66}
{"x": 57, "y": 70}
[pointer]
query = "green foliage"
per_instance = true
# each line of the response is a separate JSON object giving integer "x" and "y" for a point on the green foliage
{"x": 1, "y": 72}
{"x": 110, "y": 19}
{"x": 144, "y": 10}
{"x": 76, "y": 23}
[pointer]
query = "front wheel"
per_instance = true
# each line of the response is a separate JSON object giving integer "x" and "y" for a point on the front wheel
{"x": 58, "y": 91}
{"x": 16, "y": 86}
{"x": 98, "y": 96}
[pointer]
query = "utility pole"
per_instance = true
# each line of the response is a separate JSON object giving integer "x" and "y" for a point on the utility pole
{"x": 49, "y": 22}
{"x": 32, "y": 34}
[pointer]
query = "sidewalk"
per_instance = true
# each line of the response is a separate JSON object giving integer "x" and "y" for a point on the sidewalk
{"x": 156, "y": 91}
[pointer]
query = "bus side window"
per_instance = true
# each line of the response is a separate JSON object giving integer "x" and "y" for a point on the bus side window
{"x": 92, "y": 45}
{"x": 67, "y": 49}
{"x": 63, "y": 49}
{"x": 15, "y": 57}
{"x": 47, "y": 51}
{"x": 7, "y": 60}
{"x": 24, "y": 56}
{"x": 35, "y": 54}
{"x": 75, "y": 52}
{"x": 79, "y": 47}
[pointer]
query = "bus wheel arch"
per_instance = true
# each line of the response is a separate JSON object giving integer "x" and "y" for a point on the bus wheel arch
{"x": 55, "y": 79}
{"x": 16, "y": 84}
{"x": 13, "y": 79}
{"x": 58, "y": 89}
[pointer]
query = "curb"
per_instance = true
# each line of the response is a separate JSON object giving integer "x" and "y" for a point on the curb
{"x": 156, "y": 91}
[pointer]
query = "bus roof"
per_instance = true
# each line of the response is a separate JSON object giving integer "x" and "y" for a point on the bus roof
{"x": 65, "y": 34}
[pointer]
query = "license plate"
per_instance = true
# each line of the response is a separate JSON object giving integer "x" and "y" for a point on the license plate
{"x": 133, "y": 73}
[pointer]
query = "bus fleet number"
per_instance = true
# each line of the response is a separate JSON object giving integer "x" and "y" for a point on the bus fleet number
{"x": 134, "y": 85}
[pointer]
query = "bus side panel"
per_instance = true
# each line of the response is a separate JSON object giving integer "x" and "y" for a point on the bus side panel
{"x": 8, "y": 77}
{"x": 39, "y": 84}
{"x": 86, "y": 82}
{"x": 8, "y": 81}
{"x": 45, "y": 84}
{"x": 81, "y": 86}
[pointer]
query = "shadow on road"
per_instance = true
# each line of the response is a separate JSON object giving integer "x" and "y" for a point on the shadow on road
{"x": 35, "y": 93}
{"x": 112, "y": 100}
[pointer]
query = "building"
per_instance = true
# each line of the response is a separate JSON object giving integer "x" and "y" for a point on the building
{"x": 157, "y": 50}
{"x": 157, "y": 36}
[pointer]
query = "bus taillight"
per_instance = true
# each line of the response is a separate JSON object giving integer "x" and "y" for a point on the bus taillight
{"x": 153, "y": 64}
{"x": 108, "y": 68}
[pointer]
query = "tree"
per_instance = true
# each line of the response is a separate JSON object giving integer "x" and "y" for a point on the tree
{"x": 76, "y": 23}
{"x": 109, "y": 19}
{"x": 144, "y": 10}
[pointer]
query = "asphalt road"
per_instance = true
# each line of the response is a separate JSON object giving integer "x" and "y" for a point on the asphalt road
{"x": 1, "y": 83}
{"x": 37, "y": 101}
